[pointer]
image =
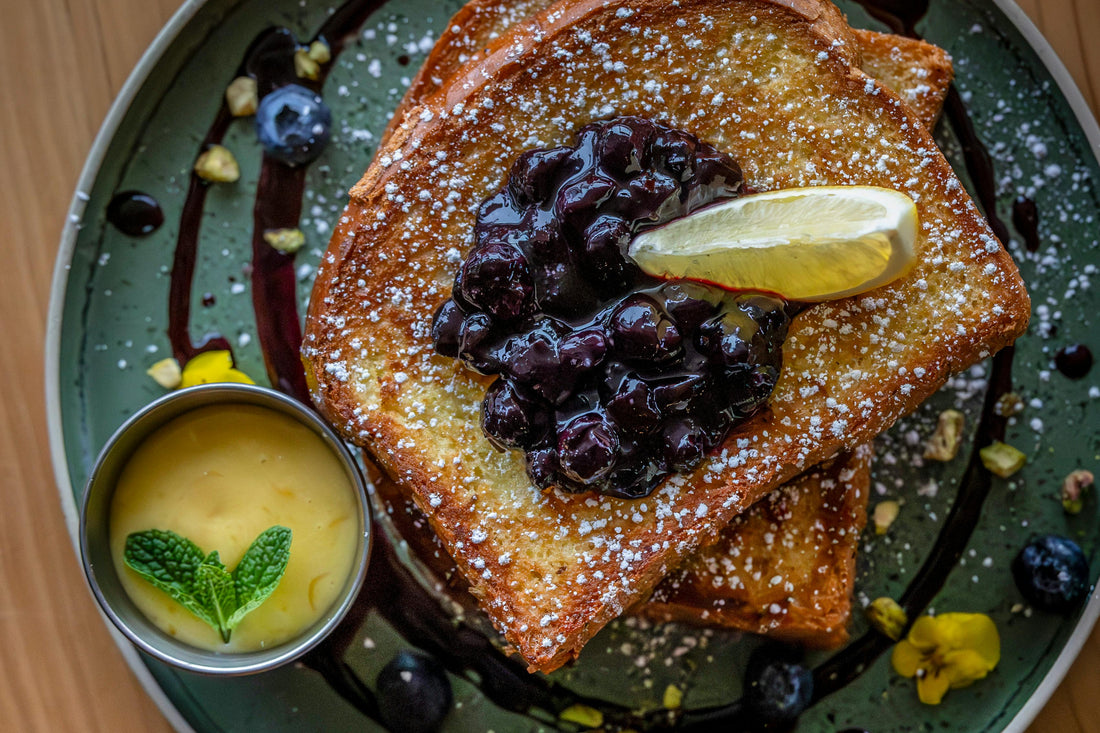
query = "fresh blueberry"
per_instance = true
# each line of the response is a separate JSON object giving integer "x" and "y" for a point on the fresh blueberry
{"x": 777, "y": 688}
{"x": 414, "y": 694}
{"x": 293, "y": 124}
{"x": 1052, "y": 573}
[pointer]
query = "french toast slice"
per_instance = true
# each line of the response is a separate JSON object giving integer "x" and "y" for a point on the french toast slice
{"x": 785, "y": 568}
{"x": 777, "y": 85}
{"x": 710, "y": 587}
{"x": 917, "y": 71}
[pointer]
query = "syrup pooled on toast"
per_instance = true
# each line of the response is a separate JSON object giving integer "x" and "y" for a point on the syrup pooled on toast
{"x": 609, "y": 379}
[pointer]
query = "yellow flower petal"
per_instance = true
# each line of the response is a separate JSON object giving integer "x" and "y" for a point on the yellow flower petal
{"x": 981, "y": 635}
{"x": 926, "y": 634}
{"x": 906, "y": 659}
{"x": 931, "y": 688}
{"x": 948, "y": 651}
{"x": 210, "y": 367}
{"x": 964, "y": 667}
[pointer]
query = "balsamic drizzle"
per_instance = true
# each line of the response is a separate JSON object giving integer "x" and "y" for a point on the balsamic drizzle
{"x": 269, "y": 60}
{"x": 408, "y": 607}
{"x": 1073, "y": 361}
{"x": 1025, "y": 217}
{"x": 134, "y": 213}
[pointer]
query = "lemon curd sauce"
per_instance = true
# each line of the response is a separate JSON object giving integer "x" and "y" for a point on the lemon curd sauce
{"x": 220, "y": 476}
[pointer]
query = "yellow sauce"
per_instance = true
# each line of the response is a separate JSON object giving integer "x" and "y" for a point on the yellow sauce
{"x": 220, "y": 476}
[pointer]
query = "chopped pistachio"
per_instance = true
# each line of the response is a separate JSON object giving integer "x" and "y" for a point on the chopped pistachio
{"x": 582, "y": 715}
{"x": 1009, "y": 404}
{"x": 1002, "y": 459}
{"x": 217, "y": 164}
{"x": 287, "y": 241}
{"x": 674, "y": 696}
{"x": 242, "y": 97}
{"x": 884, "y": 515}
{"x": 166, "y": 373}
{"x": 1074, "y": 488}
{"x": 320, "y": 52}
{"x": 944, "y": 443}
{"x": 305, "y": 67}
{"x": 887, "y": 616}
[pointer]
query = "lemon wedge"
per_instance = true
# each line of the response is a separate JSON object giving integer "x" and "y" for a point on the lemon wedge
{"x": 808, "y": 244}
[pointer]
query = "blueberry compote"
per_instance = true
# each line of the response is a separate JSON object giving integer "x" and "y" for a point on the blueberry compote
{"x": 609, "y": 379}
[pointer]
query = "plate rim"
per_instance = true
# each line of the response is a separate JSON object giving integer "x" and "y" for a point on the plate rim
{"x": 58, "y": 291}
{"x": 1088, "y": 124}
{"x": 59, "y": 287}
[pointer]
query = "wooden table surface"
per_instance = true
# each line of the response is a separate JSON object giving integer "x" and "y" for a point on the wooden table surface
{"x": 61, "y": 64}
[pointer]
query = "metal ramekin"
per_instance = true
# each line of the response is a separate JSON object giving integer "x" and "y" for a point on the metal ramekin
{"x": 95, "y": 549}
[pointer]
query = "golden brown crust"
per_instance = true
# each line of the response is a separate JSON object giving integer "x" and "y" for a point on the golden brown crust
{"x": 785, "y": 568}
{"x": 851, "y": 367}
{"x": 917, "y": 71}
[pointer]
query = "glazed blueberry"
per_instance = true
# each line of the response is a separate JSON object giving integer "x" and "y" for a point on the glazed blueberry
{"x": 446, "y": 326}
{"x": 608, "y": 378}
{"x": 623, "y": 146}
{"x": 587, "y": 448}
{"x": 496, "y": 279}
{"x": 581, "y": 197}
{"x": 533, "y": 360}
{"x": 684, "y": 444}
{"x": 606, "y": 239}
{"x": 414, "y": 693}
{"x": 690, "y": 303}
{"x": 641, "y": 331}
{"x": 1052, "y": 573}
{"x": 777, "y": 688}
{"x": 293, "y": 124}
{"x": 582, "y": 351}
{"x": 677, "y": 152}
{"x": 679, "y": 393}
{"x": 633, "y": 406}
{"x": 533, "y": 174}
{"x": 476, "y": 344}
{"x": 509, "y": 419}
{"x": 542, "y": 467}
{"x": 726, "y": 338}
{"x": 656, "y": 195}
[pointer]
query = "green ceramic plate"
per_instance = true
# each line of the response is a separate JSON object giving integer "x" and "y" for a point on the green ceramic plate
{"x": 109, "y": 316}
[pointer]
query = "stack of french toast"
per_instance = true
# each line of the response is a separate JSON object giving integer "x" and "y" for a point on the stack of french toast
{"x": 762, "y": 534}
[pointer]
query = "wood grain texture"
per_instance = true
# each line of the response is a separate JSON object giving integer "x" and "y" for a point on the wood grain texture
{"x": 61, "y": 64}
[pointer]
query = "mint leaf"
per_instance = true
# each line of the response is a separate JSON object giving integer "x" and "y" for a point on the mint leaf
{"x": 169, "y": 562}
{"x": 214, "y": 589}
{"x": 260, "y": 570}
{"x": 201, "y": 583}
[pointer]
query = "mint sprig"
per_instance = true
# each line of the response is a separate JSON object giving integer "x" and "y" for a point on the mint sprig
{"x": 201, "y": 583}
